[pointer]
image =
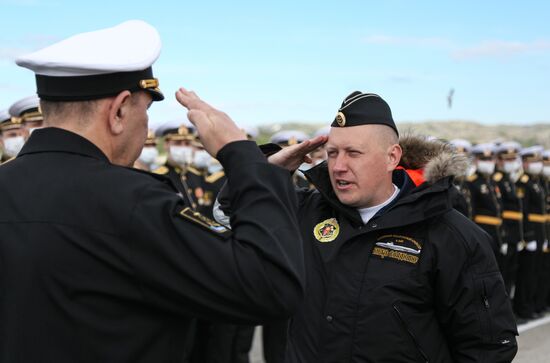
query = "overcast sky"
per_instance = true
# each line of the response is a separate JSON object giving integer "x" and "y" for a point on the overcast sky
{"x": 296, "y": 60}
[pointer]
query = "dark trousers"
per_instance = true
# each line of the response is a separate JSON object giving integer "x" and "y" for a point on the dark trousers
{"x": 526, "y": 284}
{"x": 543, "y": 280}
{"x": 509, "y": 267}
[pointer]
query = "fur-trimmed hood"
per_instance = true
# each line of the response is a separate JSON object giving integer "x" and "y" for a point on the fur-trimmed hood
{"x": 436, "y": 158}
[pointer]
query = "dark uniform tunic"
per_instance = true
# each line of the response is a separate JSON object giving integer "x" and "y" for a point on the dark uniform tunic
{"x": 512, "y": 226}
{"x": 208, "y": 191}
{"x": 103, "y": 263}
{"x": 487, "y": 208}
{"x": 184, "y": 180}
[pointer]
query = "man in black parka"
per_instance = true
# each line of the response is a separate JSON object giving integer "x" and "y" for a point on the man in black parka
{"x": 394, "y": 274}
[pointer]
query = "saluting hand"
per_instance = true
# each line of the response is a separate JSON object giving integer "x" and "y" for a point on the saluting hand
{"x": 215, "y": 128}
{"x": 291, "y": 157}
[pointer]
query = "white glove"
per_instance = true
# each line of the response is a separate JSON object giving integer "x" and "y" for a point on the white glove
{"x": 532, "y": 246}
{"x": 504, "y": 249}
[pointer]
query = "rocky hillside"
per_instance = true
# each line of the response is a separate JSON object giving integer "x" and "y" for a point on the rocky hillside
{"x": 527, "y": 135}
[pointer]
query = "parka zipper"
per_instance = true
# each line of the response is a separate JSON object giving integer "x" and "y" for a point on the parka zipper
{"x": 398, "y": 313}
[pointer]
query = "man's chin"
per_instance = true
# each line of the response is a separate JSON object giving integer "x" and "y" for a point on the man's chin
{"x": 346, "y": 200}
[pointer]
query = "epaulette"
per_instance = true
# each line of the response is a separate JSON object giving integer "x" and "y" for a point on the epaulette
{"x": 524, "y": 178}
{"x": 215, "y": 177}
{"x": 162, "y": 170}
{"x": 193, "y": 170}
{"x": 471, "y": 178}
{"x": 498, "y": 176}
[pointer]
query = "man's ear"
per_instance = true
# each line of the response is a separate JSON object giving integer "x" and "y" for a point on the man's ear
{"x": 394, "y": 156}
{"x": 119, "y": 111}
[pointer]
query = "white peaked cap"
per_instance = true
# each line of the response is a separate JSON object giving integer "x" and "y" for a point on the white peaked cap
{"x": 285, "y": 136}
{"x": 97, "y": 64}
{"x": 131, "y": 46}
{"x": 25, "y": 104}
{"x": 4, "y": 115}
{"x": 323, "y": 131}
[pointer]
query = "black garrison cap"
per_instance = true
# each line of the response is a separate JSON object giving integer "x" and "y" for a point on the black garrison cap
{"x": 364, "y": 109}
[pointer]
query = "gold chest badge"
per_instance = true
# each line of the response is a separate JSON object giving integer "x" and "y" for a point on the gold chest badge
{"x": 327, "y": 230}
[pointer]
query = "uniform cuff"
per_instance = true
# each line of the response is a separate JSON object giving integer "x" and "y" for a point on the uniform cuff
{"x": 239, "y": 153}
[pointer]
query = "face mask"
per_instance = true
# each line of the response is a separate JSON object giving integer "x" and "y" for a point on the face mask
{"x": 148, "y": 155}
{"x": 510, "y": 166}
{"x": 214, "y": 166}
{"x": 546, "y": 170}
{"x": 201, "y": 159}
{"x": 486, "y": 167}
{"x": 13, "y": 145}
{"x": 182, "y": 155}
{"x": 535, "y": 168}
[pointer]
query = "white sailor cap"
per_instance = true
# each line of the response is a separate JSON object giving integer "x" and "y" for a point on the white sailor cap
{"x": 461, "y": 145}
{"x": 8, "y": 121}
{"x": 288, "y": 137}
{"x": 483, "y": 150}
{"x": 546, "y": 155}
{"x": 97, "y": 64}
{"x": 532, "y": 152}
{"x": 4, "y": 116}
{"x": 178, "y": 129}
{"x": 323, "y": 131}
{"x": 508, "y": 149}
{"x": 28, "y": 109}
{"x": 251, "y": 131}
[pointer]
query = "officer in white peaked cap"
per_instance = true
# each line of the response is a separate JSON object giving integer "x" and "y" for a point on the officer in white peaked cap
{"x": 107, "y": 263}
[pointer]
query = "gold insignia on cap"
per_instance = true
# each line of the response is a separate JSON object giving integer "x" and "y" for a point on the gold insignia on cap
{"x": 149, "y": 83}
{"x": 341, "y": 119}
{"x": 327, "y": 230}
{"x": 292, "y": 141}
{"x": 183, "y": 130}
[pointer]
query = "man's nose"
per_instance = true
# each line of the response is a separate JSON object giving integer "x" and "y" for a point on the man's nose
{"x": 340, "y": 164}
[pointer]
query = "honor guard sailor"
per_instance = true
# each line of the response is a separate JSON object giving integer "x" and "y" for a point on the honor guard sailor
{"x": 486, "y": 199}
{"x": 533, "y": 286}
{"x": 13, "y": 135}
{"x": 512, "y": 211}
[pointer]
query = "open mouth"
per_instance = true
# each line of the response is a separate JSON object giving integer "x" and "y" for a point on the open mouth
{"x": 342, "y": 184}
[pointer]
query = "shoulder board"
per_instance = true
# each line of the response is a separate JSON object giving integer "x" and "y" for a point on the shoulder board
{"x": 197, "y": 218}
{"x": 471, "y": 178}
{"x": 193, "y": 170}
{"x": 161, "y": 170}
{"x": 524, "y": 178}
{"x": 215, "y": 177}
{"x": 7, "y": 161}
{"x": 498, "y": 176}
